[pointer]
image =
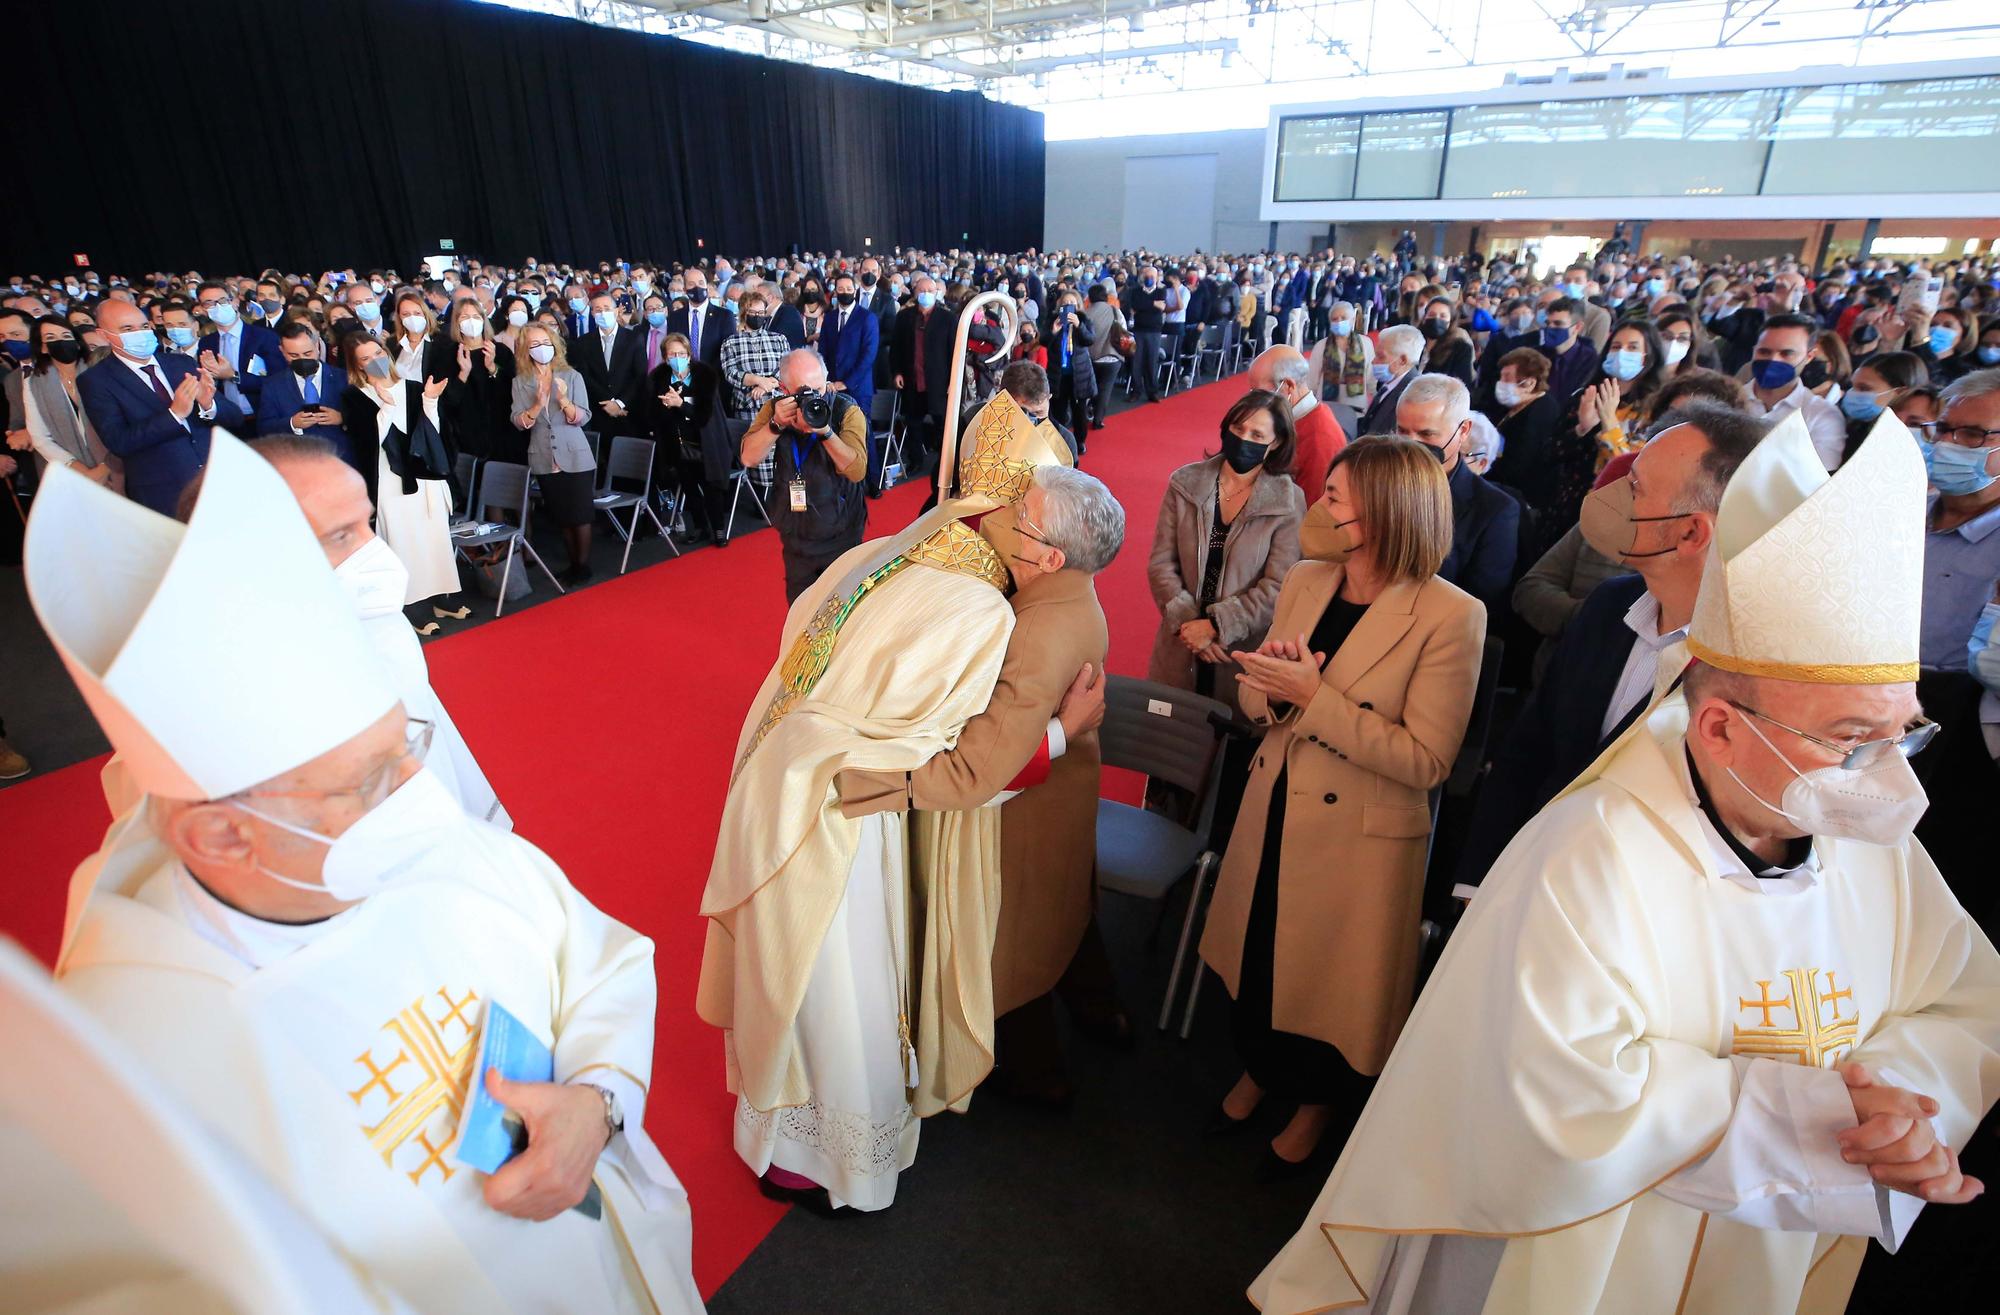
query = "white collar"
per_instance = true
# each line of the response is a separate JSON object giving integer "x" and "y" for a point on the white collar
{"x": 1728, "y": 866}
{"x": 248, "y": 940}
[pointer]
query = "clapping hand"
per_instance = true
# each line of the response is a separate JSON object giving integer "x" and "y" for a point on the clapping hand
{"x": 1283, "y": 671}
{"x": 204, "y": 392}
{"x": 216, "y": 366}
{"x": 182, "y": 403}
{"x": 1894, "y": 1138}
{"x": 434, "y": 388}
{"x": 464, "y": 363}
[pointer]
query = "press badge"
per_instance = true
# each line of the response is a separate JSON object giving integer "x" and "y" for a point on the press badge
{"x": 798, "y": 495}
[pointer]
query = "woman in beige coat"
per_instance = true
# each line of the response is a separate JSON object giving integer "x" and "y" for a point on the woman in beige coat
{"x": 1364, "y": 690}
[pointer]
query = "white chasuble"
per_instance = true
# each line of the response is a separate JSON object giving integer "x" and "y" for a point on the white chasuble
{"x": 1602, "y": 1104}
{"x": 342, "y": 1068}
{"x": 838, "y": 1032}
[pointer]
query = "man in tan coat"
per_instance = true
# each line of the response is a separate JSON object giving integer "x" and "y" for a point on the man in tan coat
{"x": 1034, "y": 750}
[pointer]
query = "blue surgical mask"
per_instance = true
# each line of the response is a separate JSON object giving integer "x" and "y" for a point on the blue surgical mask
{"x": 1857, "y": 404}
{"x": 1555, "y": 335}
{"x": 1988, "y": 355}
{"x": 180, "y": 335}
{"x": 1382, "y": 374}
{"x": 368, "y": 312}
{"x": 926, "y": 300}
{"x": 1773, "y": 375}
{"x": 141, "y": 343}
{"x": 1956, "y": 471}
{"x": 1573, "y": 290}
{"x": 656, "y": 318}
{"x": 222, "y": 315}
{"x": 1624, "y": 364}
{"x": 679, "y": 365}
{"x": 1942, "y": 340}
{"x": 1341, "y": 328}
{"x": 1656, "y": 287}
{"x": 534, "y": 300}
{"x": 642, "y": 288}
{"x": 578, "y": 305}
{"x": 607, "y": 320}
{"x": 1520, "y": 324}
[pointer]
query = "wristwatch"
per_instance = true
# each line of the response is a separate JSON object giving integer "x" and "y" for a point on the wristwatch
{"x": 614, "y": 1118}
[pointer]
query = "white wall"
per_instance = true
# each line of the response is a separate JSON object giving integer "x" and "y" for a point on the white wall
{"x": 1120, "y": 192}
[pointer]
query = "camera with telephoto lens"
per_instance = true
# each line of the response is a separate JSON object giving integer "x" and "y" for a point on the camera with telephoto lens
{"x": 815, "y": 408}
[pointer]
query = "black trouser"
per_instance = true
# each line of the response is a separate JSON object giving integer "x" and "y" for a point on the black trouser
{"x": 1107, "y": 379}
{"x": 1025, "y": 1039}
{"x": 806, "y": 562}
{"x": 1066, "y": 408}
{"x": 1146, "y": 360}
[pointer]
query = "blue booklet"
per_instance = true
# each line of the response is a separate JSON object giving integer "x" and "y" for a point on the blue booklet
{"x": 489, "y": 1134}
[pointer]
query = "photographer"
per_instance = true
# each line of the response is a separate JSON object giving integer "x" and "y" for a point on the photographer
{"x": 817, "y": 442}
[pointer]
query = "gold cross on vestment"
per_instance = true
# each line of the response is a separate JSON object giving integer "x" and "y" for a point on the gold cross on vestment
{"x": 433, "y": 1155}
{"x": 378, "y": 1077}
{"x": 455, "y": 1010}
{"x": 1815, "y": 1038}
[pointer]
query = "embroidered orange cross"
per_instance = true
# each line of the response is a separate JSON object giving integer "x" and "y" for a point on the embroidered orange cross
{"x": 1813, "y": 1039}
{"x": 1766, "y": 1003}
{"x": 455, "y": 1010}
{"x": 434, "y": 1155}
{"x": 378, "y": 1077}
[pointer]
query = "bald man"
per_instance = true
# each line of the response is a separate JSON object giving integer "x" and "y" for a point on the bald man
{"x": 1282, "y": 370}
{"x": 154, "y": 410}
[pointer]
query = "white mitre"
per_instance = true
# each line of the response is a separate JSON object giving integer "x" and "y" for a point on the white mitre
{"x": 1813, "y": 577}
{"x": 215, "y": 654}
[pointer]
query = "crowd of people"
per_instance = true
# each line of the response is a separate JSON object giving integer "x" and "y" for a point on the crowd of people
{"x": 1720, "y": 533}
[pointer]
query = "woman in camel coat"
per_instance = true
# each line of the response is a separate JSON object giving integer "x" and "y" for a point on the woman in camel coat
{"x": 1336, "y": 816}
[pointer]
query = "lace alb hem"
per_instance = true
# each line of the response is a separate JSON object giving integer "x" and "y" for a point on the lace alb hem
{"x": 854, "y": 1142}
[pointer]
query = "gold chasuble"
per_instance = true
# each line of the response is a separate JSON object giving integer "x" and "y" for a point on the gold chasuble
{"x": 889, "y": 654}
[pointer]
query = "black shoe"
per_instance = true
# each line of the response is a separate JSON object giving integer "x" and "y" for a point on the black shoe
{"x": 1275, "y": 1168}
{"x": 1097, "y": 424}
{"x": 1113, "y": 1033}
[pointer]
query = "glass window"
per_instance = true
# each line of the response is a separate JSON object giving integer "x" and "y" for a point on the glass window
{"x": 1316, "y": 158}
{"x": 1401, "y": 155}
{"x": 1940, "y": 135}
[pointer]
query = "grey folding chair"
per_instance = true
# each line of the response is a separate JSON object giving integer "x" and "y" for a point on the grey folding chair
{"x": 503, "y": 491}
{"x": 1175, "y": 735}
{"x": 631, "y": 460}
{"x": 466, "y": 470}
{"x": 596, "y": 441}
{"x": 744, "y": 479}
{"x": 1207, "y": 345}
{"x": 882, "y": 428}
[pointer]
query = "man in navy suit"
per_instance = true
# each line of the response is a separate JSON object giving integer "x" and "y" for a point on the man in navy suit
{"x": 849, "y": 343}
{"x": 1435, "y": 410}
{"x": 612, "y": 360}
{"x": 1659, "y": 521}
{"x": 240, "y": 355}
{"x": 154, "y": 412}
{"x": 703, "y": 323}
{"x": 302, "y": 396}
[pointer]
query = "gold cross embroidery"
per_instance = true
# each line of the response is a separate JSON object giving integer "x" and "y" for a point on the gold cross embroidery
{"x": 377, "y": 1077}
{"x": 434, "y": 1155}
{"x": 455, "y": 1010}
{"x": 442, "y": 1087}
{"x": 1814, "y": 1039}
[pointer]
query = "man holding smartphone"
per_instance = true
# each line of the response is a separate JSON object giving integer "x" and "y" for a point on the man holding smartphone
{"x": 304, "y": 398}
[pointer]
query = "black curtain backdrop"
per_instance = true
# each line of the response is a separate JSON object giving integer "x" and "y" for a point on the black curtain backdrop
{"x": 233, "y": 134}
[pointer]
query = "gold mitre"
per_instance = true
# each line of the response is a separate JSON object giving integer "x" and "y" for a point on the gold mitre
{"x": 1814, "y": 577}
{"x": 998, "y": 453}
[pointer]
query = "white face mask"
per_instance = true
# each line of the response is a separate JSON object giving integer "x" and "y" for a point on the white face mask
{"x": 375, "y": 578}
{"x": 1676, "y": 351}
{"x": 387, "y": 841}
{"x": 1877, "y": 805}
{"x": 471, "y": 328}
{"x": 517, "y": 318}
{"x": 541, "y": 353}
{"x": 1507, "y": 394}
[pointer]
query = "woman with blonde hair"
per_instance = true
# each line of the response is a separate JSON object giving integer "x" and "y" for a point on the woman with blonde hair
{"x": 421, "y": 352}
{"x": 549, "y": 404}
{"x": 1363, "y": 692}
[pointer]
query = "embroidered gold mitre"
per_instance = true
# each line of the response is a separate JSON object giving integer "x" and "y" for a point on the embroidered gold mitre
{"x": 1813, "y": 577}
{"x": 998, "y": 453}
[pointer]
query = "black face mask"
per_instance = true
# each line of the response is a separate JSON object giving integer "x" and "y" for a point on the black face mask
{"x": 1243, "y": 457}
{"x": 697, "y": 295}
{"x": 1813, "y": 374}
{"x": 306, "y": 368}
{"x": 810, "y": 297}
{"x": 1433, "y": 329}
{"x": 65, "y": 351}
{"x": 845, "y": 299}
{"x": 868, "y": 280}
{"x": 1866, "y": 334}
{"x": 756, "y": 321}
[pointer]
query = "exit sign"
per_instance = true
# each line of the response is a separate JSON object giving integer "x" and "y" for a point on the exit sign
{"x": 445, "y": 244}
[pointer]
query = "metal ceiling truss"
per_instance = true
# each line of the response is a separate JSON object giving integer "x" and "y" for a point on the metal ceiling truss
{"x": 1008, "y": 43}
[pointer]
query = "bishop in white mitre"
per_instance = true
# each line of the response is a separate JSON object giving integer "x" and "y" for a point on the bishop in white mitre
{"x": 849, "y": 960}
{"x": 1714, "y": 1020}
{"x": 298, "y": 930}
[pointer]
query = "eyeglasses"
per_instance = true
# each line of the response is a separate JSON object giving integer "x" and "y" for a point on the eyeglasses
{"x": 1023, "y": 525}
{"x": 378, "y": 784}
{"x": 1910, "y": 743}
{"x": 1964, "y": 435}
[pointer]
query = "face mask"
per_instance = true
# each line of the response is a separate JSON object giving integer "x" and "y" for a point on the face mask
{"x": 1677, "y": 350}
{"x": 756, "y": 322}
{"x": 656, "y": 318}
{"x": 534, "y": 300}
{"x": 1624, "y": 364}
{"x": 1382, "y": 373}
{"x": 729, "y": 305}
{"x": 1243, "y": 456}
{"x": 1656, "y": 287}
{"x": 1814, "y": 373}
{"x": 1507, "y": 394}
{"x": 272, "y": 307}
{"x": 926, "y": 300}
{"x": 607, "y": 320}
{"x": 387, "y": 841}
{"x": 1988, "y": 355}
{"x": 65, "y": 351}
{"x": 1341, "y": 328}
{"x": 542, "y": 353}
{"x": 1859, "y": 405}
{"x": 368, "y": 312}
{"x": 375, "y": 286}
{"x": 1773, "y": 375}
{"x": 375, "y": 578}
{"x": 307, "y": 368}
{"x": 1607, "y": 522}
{"x": 412, "y": 323}
{"x": 678, "y": 365}
{"x": 1433, "y": 329}
{"x": 1942, "y": 340}
{"x": 1574, "y": 290}
{"x": 19, "y": 350}
{"x": 846, "y": 299}
{"x": 1876, "y": 805}
{"x": 1955, "y": 470}
{"x": 1982, "y": 655}
{"x": 1149, "y": 284}
{"x": 377, "y": 367}
{"x": 578, "y": 305}
{"x": 1323, "y": 539}
{"x": 642, "y": 288}
{"x": 868, "y": 280}
{"x": 180, "y": 335}
{"x": 1866, "y": 334}
{"x": 516, "y": 318}
{"x": 1520, "y": 324}
{"x": 700, "y": 295}
{"x": 222, "y": 315}
{"x": 1555, "y": 335}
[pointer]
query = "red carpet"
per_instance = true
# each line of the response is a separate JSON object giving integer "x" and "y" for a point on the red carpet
{"x": 606, "y": 721}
